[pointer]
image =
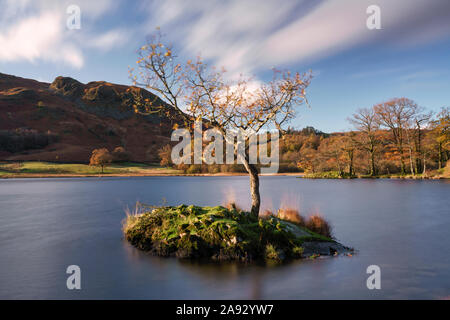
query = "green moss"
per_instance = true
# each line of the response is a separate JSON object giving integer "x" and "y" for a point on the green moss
{"x": 272, "y": 253}
{"x": 215, "y": 232}
{"x": 297, "y": 252}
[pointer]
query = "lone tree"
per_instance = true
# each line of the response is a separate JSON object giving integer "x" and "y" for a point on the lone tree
{"x": 220, "y": 102}
{"x": 165, "y": 155}
{"x": 100, "y": 157}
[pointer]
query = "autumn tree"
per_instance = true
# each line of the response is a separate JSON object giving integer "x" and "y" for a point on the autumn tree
{"x": 419, "y": 121}
{"x": 330, "y": 152}
{"x": 365, "y": 121}
{"x": 396, "y": 115}
{"x": 440, "y": 131}
{"x": 309, "y": 160}
{"x": 348, "y": 147}
{"x": 222, "y": 103}
{"x": 165, "y": 155}
{"x": 245, "y": 106}
{"x": 100, "y": 157}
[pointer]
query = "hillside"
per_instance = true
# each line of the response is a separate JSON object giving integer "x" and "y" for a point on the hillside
{"x": 65, "y": 120}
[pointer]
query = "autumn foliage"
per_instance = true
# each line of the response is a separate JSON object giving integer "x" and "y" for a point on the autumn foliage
{"x": 388, "y": 139}
{"x": 100, "y": 157}
{"x": 103, "y": 157}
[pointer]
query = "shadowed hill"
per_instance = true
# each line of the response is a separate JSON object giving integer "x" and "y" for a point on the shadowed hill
{"x": 65, "y": 120}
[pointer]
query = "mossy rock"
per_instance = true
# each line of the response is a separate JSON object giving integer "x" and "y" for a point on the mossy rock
{"x": 219, "y": 233}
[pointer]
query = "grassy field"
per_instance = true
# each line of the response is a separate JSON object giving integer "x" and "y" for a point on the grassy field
{"x": 37, "y": 169}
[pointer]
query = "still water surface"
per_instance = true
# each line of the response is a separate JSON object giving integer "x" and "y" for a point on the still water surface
{"x": 48, "y": 224}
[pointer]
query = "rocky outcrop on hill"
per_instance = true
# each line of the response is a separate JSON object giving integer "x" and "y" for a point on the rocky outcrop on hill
{"x": 105, "y": 99}
{"x": 67, "y": 87}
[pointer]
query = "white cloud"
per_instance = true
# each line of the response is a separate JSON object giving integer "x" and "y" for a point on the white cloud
{"x": 23, "y": 42}
{"x": 332, "y": 26}
{"x": 245, "y": 36}
{"x": 109, "y": 40}
{"x": 36, "y": 31}
{"x": 249, "y": 36}
{"x": 226, "y": 32}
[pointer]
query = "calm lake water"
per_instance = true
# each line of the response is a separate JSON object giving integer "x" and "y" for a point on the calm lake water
{"x": 49, "y": 224}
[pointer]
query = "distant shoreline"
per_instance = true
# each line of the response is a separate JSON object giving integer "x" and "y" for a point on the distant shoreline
{"x": 392, "y": 177}
{"x": 27, "y": 170}
{"x": 115, "y": 175}
{"x": 37, "y": 175}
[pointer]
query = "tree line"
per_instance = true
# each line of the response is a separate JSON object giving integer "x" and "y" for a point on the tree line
{"x": 393, "y": 137}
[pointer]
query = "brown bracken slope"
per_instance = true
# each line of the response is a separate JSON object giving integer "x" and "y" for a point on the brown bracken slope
{"x": 65, "y": 120}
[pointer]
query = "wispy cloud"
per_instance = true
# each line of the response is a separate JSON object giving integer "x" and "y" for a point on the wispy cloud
{"x": 373, "y": 73}
{"x": 22, "y": 42}
{"x": 253, "y": 35}
{"x": 228, "y": 33}
{"x": 244, "y": 36}
{"x": 421, "y": 75}
{"x": 109, "y": 40}
{"x": 36, "y": 31}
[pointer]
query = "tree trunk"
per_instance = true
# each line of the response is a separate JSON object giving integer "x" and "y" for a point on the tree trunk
{"x": 350, "y": 164}
{"x": 254, "y": 187}
{"x": 411, "y": 167}
{"x": 418, "y": 149}
{"x": 424, "y": 172}
{"x": 399, "y": 140}
{"x": 402, "y": 163}
{"x": 372, "y": 163}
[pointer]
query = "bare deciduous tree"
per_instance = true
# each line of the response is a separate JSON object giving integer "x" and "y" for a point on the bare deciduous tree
{"x": 396, "y": 115}
{"x": 365, "y": 121}
{"x": 245, "y": 106}
{"x": 224, "y": 104}
{"x": 159, "y": 72}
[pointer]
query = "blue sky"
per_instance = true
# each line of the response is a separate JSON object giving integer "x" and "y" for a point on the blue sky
{"x": 354, "y": 67}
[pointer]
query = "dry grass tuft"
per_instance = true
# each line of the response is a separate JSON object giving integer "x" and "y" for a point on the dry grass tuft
{"x": 233, "y": 206}
{"x": 132, "y": 216}
{"x": 291, "y": 215}
{"x": 318, "y": 224}
{"x": 266, "y": 214}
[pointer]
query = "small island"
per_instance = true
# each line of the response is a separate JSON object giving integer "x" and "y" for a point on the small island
{"x": 229, "y": 233}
